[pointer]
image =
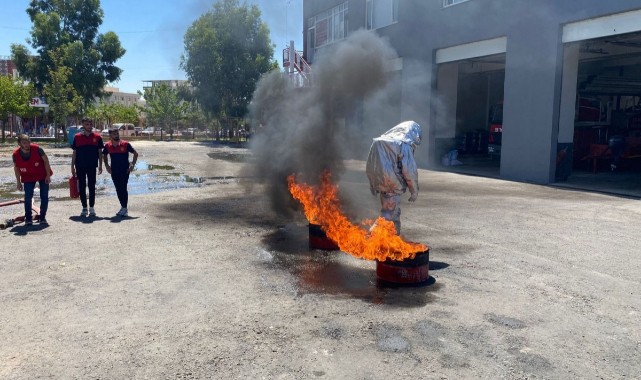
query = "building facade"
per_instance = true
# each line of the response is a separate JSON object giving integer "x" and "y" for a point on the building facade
{"x": 567, "y": 74}
{"x": 8, "y": 68}
{"x": 171, "y": 83}
{"x": 115, "y": 96}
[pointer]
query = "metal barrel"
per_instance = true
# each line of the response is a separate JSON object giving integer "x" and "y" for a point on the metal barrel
{"x": 406, "y": 272}
{"x": 318, "y": 239}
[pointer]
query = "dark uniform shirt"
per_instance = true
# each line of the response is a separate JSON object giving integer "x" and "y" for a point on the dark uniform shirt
{"x": 87, "y": 148}
{"x": 119, "y": 155}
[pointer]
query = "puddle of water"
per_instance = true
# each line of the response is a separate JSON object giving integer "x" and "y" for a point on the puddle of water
{"x": 149, "y": 179}
{"x": 143, "y": 165}
{"x": 229, "y": 156}
{"x": 146, "y": 183}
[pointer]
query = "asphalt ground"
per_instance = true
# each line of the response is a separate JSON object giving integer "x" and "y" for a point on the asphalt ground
{"x": 205, "y": 282}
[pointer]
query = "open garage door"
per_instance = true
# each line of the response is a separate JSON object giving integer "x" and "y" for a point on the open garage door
{"x": 470, "y": 86}
{"x": 606, "y": 105}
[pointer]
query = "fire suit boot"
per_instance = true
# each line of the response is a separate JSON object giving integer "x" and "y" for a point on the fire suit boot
{"x": 391, "y": 209}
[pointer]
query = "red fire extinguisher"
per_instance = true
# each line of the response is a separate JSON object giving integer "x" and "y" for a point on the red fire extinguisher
{"x": 73, "y": 187}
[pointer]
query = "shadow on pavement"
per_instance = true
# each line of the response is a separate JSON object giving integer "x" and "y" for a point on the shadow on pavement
{"x": 437, "y": 265}
{"x": 23, "y": 230}
{"x": 118, "y": 219}
{"x": 87, "y": 219}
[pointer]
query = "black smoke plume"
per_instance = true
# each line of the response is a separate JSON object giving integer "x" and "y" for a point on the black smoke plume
{"x": 307, "y": 130}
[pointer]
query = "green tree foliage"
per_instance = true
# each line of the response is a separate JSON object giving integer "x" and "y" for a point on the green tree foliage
{"x": 107, "y": 114}
{"x": 194, "y": 117}
{"x": 226, "y": 51}
{"x": 15, "y": 97}
{"x": 127, "y": 114}
{"x": 164, "y": 107}
{"x": 62, "y": 97}
{"x": 71, "y": 28}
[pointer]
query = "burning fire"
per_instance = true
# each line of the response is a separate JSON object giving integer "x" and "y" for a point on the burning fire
{"x": 321, "y": 206}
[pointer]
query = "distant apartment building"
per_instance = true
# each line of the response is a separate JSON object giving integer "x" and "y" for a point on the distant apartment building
{"x": 171, "y": 83}
{"x": 7, "y": 67}
{"x": 123, "y": 98}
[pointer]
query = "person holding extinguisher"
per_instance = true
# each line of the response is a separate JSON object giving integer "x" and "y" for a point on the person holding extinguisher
{"x": 31, "y": 166}
{"x": 87, "y": 156}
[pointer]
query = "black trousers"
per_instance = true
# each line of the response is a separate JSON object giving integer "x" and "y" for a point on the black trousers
{"x": 120, "y": 182}
{"x": 87, "y": 177}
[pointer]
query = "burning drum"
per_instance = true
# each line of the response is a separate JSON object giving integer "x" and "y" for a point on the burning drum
{"x": 318, "y": 239}
{"x": 407, "y": 272}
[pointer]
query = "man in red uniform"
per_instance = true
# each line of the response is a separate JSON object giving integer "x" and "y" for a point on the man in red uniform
{"x": 87, "y": 156}
{"x": 120, "y": 167}
{"x": 31, "y": 165}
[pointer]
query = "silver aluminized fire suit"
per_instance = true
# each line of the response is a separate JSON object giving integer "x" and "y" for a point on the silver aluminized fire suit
{"x": 391, "y": 168}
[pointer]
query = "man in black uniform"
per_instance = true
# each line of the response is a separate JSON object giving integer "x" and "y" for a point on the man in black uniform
{"x": 120, "y": 167}
{"x": 87, "y": 156}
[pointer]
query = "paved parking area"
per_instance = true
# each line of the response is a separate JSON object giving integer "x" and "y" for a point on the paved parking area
{"x": 207, "y": 282}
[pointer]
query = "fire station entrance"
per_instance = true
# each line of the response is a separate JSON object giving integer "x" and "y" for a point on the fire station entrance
{"x": 598, "y": 136}
{"x": 599, "y": 142}
{"x": 469, "y": 114}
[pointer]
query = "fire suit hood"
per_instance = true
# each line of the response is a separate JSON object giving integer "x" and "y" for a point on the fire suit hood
{"x": 409, "y": 132}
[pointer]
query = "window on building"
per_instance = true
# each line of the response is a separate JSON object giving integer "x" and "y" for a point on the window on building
{"x": 311, "y": 39}
{"x": 326, "y": 27}
{"x": 380, "y": 13}
{"x": 447, "y": 3}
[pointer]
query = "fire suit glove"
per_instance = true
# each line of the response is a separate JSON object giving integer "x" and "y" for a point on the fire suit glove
{"x": 413, "y": 197}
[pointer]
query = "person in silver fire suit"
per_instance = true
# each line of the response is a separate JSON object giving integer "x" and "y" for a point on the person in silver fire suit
{"x": 391, "y": 168}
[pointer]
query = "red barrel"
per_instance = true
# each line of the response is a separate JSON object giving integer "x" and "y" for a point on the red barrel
{"x": 73, "y": 187}
{"x": 406, "y": 272}
{"x": 318, "y": 239}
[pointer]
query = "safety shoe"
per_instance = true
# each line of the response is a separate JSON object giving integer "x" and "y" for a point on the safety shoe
{"x": 122, "y": 212}
{"x": 83, "y": 212}
{"x": 28, "y": 222}
{"x": 43, "y": 222}
{"x": 92, "y": 212}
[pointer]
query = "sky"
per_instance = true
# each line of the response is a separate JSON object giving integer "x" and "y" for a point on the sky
{"x": 152, "y": 32}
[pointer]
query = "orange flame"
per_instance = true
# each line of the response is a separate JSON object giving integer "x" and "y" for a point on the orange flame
{"x": 322, "y": 207}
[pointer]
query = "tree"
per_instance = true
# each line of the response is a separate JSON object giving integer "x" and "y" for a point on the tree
{"x": 63, "y": 99}
{"x": 15, "y": 98}
{"x": 127, "y": 114}
{"x": 226, "y": 51}
{"x": 164, "y": 107}
{"x": 107, "y": 114}
{"x": 69, "y": 27}
{"x": 194, "y": 117}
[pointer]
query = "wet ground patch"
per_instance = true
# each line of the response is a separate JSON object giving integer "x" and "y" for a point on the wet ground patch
{"x": 142, "y": 165}
{"x": 146, "y": 178}
{"x": 230, "y": 156}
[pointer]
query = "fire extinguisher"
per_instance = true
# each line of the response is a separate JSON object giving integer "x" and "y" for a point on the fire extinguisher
{"x": 73, "y": 187}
